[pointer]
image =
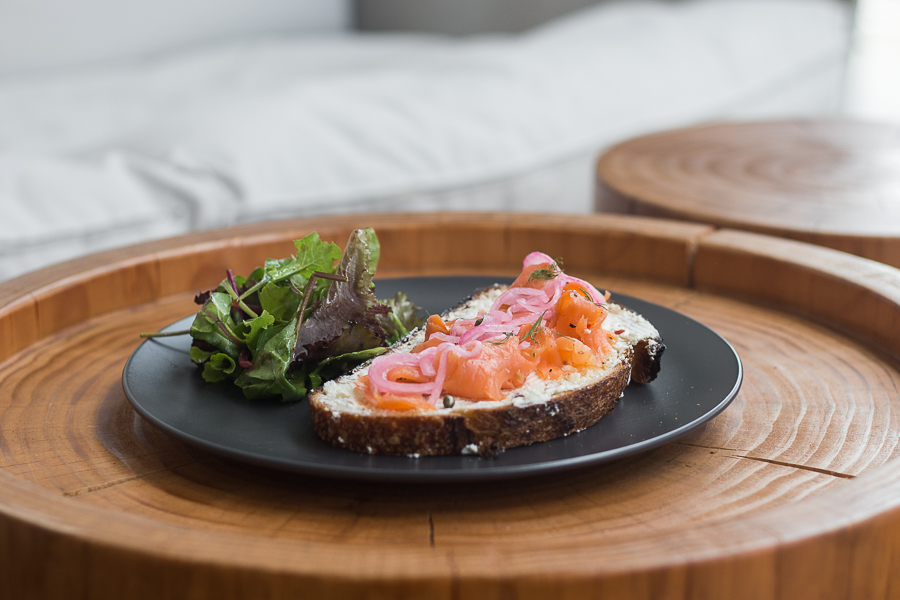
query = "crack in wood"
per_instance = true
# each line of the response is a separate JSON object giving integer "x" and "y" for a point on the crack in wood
{"x": 688, "y": 299}
{"x": 796, "y": 466}
{"x": 109, "y": 484}
{"x": 770, "y": 460}
{"x": 430, "y": 529}
{"x": 693, "y": 248}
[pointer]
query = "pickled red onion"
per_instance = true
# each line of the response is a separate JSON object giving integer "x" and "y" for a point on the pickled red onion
{"x": 444, "y": 350}
{"x": 453, "y": 339}
{"x": 537, "y": 258}
{"x": 424, "y": 360}
{"x": 521, "y": 306}
{"x": 596, "y": 296}
{"x": 379, "y": 369}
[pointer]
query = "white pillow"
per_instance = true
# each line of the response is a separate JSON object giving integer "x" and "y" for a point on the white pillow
{"x": 41, "y": 34}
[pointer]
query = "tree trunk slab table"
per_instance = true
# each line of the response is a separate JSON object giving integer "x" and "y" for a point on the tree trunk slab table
{"x": 835, "y": 183}
{"x": 791, "y": 492}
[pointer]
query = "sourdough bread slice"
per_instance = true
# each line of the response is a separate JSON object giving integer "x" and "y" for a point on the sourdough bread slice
{"x": 539, "y": 410}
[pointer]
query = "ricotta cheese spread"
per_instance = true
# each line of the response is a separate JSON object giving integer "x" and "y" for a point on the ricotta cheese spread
{"x": 342, "y": 397}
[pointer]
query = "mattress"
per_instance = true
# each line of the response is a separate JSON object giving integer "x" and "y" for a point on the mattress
{"x": 276, "y": 127}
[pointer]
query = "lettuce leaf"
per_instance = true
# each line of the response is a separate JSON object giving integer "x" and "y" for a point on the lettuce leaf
{"x": 335, "y": 366}
{"x": 345, "y": 321}
{"x": 214, "y": 325}
{"x": 403, "y": 318}
{"x": 280, "y": 301}
{"x": 218, "y": 368}
{"x": 312, "y": 255}
{"x": 249, "y": 330}
{"x": 264, "y": 338}
{"x": 268, "y": 375}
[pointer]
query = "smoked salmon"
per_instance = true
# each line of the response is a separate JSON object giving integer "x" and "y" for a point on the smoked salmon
{"x": 546, "y": 322}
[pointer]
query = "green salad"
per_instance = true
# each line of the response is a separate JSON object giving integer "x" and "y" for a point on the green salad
{"x": 297, "y": 322}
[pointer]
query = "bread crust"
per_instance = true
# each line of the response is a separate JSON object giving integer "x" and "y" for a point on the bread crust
{"x": 490, "y": 427}
{"x": 647, "y": 359}
{"x": 485, "y": 431}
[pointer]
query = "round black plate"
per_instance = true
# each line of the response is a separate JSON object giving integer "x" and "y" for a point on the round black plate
{"x": 701, "y": 374}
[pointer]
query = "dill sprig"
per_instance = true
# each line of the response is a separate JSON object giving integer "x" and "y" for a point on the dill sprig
{"x": 535, "y": 328}
{"x": 551, "y": 272}
{"x": 558, "y": 334}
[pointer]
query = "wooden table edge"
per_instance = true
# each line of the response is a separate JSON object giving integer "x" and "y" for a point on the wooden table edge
{"x": 861, "y": 520}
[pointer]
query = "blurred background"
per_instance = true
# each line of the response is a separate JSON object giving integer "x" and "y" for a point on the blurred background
{"x": 124, "y": 121}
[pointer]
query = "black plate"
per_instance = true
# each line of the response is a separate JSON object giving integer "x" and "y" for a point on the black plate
{"x": 701, "y": 374}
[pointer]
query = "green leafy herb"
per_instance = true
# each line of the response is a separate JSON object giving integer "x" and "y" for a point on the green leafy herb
{"x": 199, "y": 355}
{"x": 334, "y": 366}
{"x": 280, "y": 301}
{"x": 312, "y": 255}
{"x": 297, "y": 322}
{"x": 218, "y": 367}
{"x": 268, "y": 374}
{"x": 403, "y": 318}
{"x": 250, "y": 330}
{"x": 564, "y": 336}
{"x": 551, "y": 272}
{"x": 535, "y": 328}
{"x": 214, "y": 325}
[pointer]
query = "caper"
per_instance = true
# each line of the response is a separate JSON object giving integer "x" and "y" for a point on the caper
{"x": 449, "y": 401}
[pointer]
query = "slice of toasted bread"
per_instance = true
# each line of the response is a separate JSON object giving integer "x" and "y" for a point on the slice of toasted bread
{"x": 538, "y": 411}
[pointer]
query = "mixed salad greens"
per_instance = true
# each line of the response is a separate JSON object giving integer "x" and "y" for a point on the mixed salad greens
{"x": 297, "y": 322}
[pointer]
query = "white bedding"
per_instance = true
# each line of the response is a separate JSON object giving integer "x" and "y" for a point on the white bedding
{"x": 281, "y": 127}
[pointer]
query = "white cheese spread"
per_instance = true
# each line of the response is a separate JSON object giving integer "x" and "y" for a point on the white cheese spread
{"x": 535, "y": 390}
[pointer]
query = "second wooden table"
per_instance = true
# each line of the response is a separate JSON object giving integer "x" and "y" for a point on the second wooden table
{"x": 835, "y": 183}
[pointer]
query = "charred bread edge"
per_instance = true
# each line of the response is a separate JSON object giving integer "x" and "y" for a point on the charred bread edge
{"x": 485, "y": 431}
{"x": 481, "y": 431}
{"x": 648, "y": 351}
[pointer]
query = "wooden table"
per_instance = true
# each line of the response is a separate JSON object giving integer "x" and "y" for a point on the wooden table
{"x": 792, "y": 492}
{"x": 835, "y": 183}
